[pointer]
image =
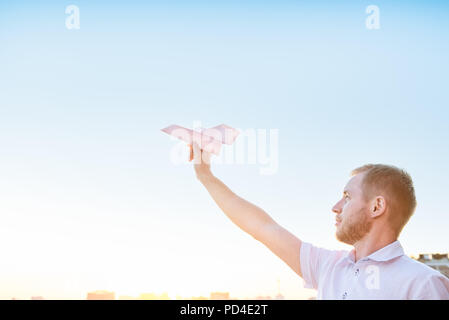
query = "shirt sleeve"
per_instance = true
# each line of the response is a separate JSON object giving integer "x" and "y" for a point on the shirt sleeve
{"x": 435, "y": 288}
{"x": 314, "y": 262}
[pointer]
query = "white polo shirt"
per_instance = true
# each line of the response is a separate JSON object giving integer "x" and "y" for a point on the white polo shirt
{"x": 385, "y": 274}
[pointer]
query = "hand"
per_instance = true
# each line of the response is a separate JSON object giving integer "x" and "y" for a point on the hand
{"x": 201, "y": 161}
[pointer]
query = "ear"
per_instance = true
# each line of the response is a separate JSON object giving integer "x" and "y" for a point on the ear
{"x": 378, "y": 207}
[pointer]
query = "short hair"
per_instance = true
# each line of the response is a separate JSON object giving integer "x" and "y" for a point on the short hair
{"x": 395, "y": 185}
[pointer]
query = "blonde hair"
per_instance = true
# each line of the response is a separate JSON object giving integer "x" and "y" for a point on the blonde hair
{"x": 395, "y": 185}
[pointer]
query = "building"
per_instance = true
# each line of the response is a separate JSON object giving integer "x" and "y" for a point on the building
{"x": 279, "y": 296}
{"x": 437, "y": 261}
{"x": 219, "y": 295}
{"x": 153, "y": 296}
{"x": 100, "y": 295}
{"x": 263, "y": 298}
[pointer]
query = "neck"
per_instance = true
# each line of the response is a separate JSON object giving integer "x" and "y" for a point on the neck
{"x": 372, "y": 242}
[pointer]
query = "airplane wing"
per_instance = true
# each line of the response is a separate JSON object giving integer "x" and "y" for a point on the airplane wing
{"x": 207, "y": 142}
{"x": 210, "y": 139}
{"x": 224, "y": 133}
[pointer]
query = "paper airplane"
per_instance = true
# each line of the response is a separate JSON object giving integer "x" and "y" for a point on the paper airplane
{"x": 209, "y": 140}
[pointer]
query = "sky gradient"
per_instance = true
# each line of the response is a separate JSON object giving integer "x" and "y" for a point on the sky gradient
{"x": 89, "y": 198}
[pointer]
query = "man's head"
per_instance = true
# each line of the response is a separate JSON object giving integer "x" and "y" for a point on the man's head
{"x": 376, "y": 195}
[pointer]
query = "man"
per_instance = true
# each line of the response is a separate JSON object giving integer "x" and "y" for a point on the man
{"x": 376, "y": 204}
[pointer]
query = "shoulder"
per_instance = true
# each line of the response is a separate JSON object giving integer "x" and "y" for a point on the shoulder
{"x": 424, "y": 281}
{"x": 416, "y": 269}
{"x": 325, "y": 256}
{"x": 316, "y": 262}
{"x": 413, "y": 269}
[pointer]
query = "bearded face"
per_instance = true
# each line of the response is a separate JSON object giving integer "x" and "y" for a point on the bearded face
{"x": 352, "y": 219}
{"x": 353, "y": 227}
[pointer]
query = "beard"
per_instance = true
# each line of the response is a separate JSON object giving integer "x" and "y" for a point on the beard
{"x": 354, "y": 228}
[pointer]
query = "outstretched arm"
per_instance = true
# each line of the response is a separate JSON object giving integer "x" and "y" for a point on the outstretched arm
{"x": 248, "y": 217}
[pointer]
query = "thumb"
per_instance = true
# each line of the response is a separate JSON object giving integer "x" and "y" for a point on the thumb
{"x": 196, "y": 153}
{"x": 206, "y": 156}
{"x": 191, "y": 152}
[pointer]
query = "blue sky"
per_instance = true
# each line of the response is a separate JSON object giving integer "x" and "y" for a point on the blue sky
{"x": 84, "y": 165}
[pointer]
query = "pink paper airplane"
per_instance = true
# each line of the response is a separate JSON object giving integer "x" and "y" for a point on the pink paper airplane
{"x": 209, "y": 140}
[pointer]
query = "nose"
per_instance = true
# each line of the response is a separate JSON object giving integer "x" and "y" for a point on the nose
{"x": 337, "y": 208}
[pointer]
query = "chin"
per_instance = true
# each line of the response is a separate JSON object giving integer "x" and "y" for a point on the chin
{"x": 343, "y": 239}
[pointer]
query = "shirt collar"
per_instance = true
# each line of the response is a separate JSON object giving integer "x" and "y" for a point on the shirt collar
{"x": 391, "y": 251}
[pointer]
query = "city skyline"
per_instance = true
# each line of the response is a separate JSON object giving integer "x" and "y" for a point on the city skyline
{"x": 437, "y": 261}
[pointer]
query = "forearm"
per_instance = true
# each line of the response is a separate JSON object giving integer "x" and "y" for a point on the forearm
{"x": 247, "y": 216}
{"x": 244, "y": 214}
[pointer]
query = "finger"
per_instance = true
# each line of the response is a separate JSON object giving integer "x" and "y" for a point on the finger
{"x": 206, "y": 156}
{"x": 196, "y": 153}
{"x": 191, "y": 153}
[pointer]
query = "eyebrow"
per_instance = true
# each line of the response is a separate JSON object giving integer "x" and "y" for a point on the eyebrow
{"x": 346, "y": 193}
